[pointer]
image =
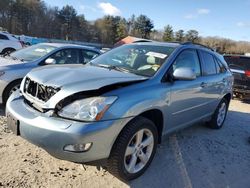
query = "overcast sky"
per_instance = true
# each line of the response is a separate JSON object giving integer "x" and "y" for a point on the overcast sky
{"x": 224, "y": 18}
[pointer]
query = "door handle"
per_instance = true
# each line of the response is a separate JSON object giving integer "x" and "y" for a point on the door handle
{"x": 203, "y": 84}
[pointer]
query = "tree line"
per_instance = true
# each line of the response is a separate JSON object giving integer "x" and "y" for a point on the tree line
{"x": 36, "y": 18}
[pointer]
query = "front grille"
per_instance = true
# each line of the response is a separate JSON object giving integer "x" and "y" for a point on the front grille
{"x": 39, "y": 91}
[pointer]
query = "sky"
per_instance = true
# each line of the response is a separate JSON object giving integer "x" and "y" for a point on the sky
{"x": 223, "y": 18}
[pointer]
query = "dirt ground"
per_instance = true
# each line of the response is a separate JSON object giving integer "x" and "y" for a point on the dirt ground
{"x": 194, "y": 157}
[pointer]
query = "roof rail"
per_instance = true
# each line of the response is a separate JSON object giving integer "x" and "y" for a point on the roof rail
{"x": 189, "y": 43}
{"x": 186, "y": 43}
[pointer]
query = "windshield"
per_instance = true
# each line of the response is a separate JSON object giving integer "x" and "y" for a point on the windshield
{"x": 33, "y": 52}
{"x": 139, "y": 59}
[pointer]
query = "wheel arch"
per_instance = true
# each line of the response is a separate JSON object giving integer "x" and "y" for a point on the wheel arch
{"x": 155, "y": 115}
{"x": 4, "y": 97}
{"x": 228, "y": 97}
{"x": 8, "y": 48}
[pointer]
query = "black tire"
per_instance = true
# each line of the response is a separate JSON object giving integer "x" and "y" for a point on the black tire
{"x": 8, "y": 51}
{"x": 8, "y": 89}
{"x": 116, "y": 161}
{"x": 213, "y": 123}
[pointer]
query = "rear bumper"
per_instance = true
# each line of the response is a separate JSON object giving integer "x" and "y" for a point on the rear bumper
{"x": 53, "y": 133}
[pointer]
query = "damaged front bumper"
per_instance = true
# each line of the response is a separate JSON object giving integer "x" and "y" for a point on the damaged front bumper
{"x": 54, "y": 134}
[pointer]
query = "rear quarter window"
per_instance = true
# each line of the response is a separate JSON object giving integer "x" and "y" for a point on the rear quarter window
{"x": 220, "y": 66}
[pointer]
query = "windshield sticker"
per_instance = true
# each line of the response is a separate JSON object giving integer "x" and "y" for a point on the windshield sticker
{"x": 156, "y": 54}
{"x": 40, "y": 50}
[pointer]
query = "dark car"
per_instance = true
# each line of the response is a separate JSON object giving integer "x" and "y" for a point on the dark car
{"x": 240, "y": 67}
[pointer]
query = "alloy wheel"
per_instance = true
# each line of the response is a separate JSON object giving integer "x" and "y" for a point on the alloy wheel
{"x": 221, "y": 113}
{"x": 139, "y": 151}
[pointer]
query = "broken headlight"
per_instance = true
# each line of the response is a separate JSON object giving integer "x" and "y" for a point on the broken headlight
{"x": 89, "y": 109}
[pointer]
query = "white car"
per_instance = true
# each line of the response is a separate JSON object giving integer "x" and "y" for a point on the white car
{"x": 9, "y": 43}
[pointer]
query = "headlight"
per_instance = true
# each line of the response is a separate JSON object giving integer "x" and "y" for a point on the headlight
{"x": 89, "y": 109}
{"x": 2, "y": 73}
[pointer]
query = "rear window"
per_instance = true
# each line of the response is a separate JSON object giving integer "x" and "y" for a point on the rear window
{"x": 238, "y": 62}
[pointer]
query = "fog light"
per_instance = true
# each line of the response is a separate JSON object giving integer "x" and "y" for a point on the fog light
{"x": 78, "y": 147}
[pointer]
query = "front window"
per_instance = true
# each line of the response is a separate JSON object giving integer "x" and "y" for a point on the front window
{"x": 188, "y": 59}
{"x": 143, "y": 60}
{"x": 33, "y": 52}
{"x": 66, "y": 56}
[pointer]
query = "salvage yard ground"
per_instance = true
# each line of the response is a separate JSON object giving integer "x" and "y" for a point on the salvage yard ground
{"x": 194, "y": 157}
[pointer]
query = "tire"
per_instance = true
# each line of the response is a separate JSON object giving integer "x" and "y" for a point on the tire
{"x": 10, "y": 89}
{"x": 119, "y": 163}
{"x": 8, "y": 51}
{"x": 219, "y": 115}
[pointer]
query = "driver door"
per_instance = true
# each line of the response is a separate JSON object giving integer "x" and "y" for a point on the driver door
{"x": 187, "y": 100}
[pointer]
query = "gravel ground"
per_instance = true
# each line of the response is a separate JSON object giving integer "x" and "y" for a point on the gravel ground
{"x": 194, "y": 157}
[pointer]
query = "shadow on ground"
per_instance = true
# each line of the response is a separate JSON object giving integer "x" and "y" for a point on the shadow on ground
{"x": 2, "y": 110}
{"x": 201, "y": 157}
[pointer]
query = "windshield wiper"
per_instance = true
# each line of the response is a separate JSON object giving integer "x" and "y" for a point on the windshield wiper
{"x": 110, "y": 67}
{"x": 118, "y": 68}
{"x": 15, "y": 58}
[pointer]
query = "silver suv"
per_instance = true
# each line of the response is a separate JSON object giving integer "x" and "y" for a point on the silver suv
{"x": 119, "y": 106}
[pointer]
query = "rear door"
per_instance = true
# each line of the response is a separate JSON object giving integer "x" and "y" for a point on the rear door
{"x": 240, "y": 67}
{"x": 214, "y": 79}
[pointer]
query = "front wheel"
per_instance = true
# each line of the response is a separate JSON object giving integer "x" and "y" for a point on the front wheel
{"x": 219, "y": 115}
{"x": 11, "y": 89}
{"x": 134, "y": 149}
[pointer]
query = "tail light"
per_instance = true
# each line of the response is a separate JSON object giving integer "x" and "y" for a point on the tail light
{"x": 247, "y": 73}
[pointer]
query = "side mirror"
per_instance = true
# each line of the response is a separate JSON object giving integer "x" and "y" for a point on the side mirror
{"x": 50, "y": 61}
{"x": 184, "y": 73}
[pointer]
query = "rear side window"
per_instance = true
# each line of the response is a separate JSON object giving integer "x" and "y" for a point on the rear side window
{"x": 238, "y": 62}
{"x": 3, "y": 37}
{"x": 209, "y": 66}
{"x": 87, "y": 55}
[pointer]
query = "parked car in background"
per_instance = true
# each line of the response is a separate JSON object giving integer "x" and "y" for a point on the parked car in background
{"x": 27, "y": 40}
{"x": 118, "y": 106}
{"x": 240, "y": 67}
{"x": 8, "y": 43}
{"x": 16, "y": 65}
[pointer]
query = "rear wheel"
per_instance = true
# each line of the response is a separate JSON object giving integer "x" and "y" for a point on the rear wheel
{"x": 134, "y": 149}
{"x": 219, "y": 115}
{"x": 8, "y": 51}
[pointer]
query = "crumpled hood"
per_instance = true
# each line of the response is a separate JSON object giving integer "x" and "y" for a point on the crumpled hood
{"x": 76, "y": 78}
